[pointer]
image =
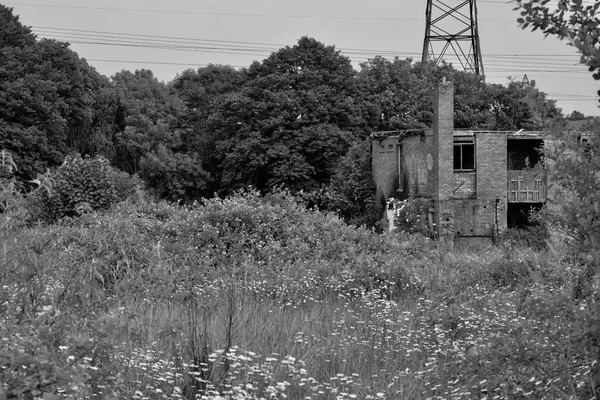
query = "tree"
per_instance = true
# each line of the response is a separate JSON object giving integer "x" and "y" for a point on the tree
{"x": 12, "y": 32}
{"x": 149, "y": 109}
{"x": 576, "y": 116}
{"x": 291, "y": 121}
{"x": 46, "y": 98}
{"x": 149, "y": 139}
{"x": 398, "y": 94}
{"x": 351, "y": 191}
{"x": 202, "y": 92}
{"x": 394, "y": 96}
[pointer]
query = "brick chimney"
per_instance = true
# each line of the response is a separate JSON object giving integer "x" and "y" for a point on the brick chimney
{"x": 443, "y": 128}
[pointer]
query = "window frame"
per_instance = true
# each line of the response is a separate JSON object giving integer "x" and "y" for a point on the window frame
{"x": 461, "y": 143}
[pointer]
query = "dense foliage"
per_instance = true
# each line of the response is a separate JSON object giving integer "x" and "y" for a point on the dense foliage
{"x": 257, "y": 297}
{"x": 47, "y": 98}
{"x": 575, "y": 211}
{"x": 288, "y": 120}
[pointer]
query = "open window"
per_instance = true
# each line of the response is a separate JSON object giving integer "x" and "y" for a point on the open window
{"x": 584, "y": 140}
{"x": 464, "y": 155}
{"x": 519, "y": 214}
{"x": 523, "y": 153}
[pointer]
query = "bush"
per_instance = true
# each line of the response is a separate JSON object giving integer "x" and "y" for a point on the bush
{"x": 534, "y": 237}
{"x": 412, "y": 216}
{"x": 87, "y": 184}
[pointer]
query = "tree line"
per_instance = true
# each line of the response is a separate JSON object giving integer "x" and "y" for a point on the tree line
{"x": 298, "y": 119}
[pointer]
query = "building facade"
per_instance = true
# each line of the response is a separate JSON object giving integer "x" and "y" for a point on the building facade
{"x": 479, "y": 182}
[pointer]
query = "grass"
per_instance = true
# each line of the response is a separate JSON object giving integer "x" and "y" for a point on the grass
{"x": 254, "y": 298}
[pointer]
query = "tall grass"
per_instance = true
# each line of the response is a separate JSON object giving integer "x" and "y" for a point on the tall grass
{"x": 251, "y": 298}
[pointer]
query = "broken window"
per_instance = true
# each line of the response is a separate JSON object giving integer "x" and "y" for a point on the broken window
{"x": 464, "y": 155}
{"x": 386, "y": 148}
{"x": 587, "y": 146}
{"x": 523, "y": 153}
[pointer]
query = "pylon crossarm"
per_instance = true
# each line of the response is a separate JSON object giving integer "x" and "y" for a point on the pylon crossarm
{"x": 449, "y": 12}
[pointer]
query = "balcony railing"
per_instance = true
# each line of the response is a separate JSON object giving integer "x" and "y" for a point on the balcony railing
{"x": 526, "y": 187}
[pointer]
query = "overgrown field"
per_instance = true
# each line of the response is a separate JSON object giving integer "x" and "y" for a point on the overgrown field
{"x": 257, "y": 298}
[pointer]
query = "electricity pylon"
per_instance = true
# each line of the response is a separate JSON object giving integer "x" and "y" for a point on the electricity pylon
{"x": 453, "y": 27}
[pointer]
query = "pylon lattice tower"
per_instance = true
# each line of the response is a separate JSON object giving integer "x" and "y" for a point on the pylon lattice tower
{"x": 453, "y": 27}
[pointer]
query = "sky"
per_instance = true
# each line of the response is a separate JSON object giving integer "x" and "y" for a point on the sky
{"x": 169, "y": 37}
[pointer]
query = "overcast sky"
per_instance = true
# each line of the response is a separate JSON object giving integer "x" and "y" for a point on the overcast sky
{"x": 171, "y": 36}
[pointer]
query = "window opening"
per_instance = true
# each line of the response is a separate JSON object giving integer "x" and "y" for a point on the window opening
{"x": 523, "y": 153}
{"x": 464, "y": 155}
{"x": 519, "y": 214}
{"x": 587, "y": 146}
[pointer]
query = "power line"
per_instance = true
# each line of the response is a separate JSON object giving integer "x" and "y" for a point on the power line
{"x": 216, "y": 13}
{"x": 499, "y": 64}
{"x": 156, "y": 63}
{"x": 251, "y": 15}
{"x": 196, "y": 44}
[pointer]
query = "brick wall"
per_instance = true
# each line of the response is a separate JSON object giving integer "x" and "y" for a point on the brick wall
{"x": 443, "y": 128}
{"x": 464, "y": 185}
{"x": 490, "y": 150}
{"x": 475, "y": 217}
{"x": 490, "y": 154}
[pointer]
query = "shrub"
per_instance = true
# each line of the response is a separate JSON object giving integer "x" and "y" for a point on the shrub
{"x": 411, "y": 216}
{"x": 534, "y": 237}
{"x": 18, "y": 207}
{"x": 86, "y": 184}
{"x": 31, "y": 368}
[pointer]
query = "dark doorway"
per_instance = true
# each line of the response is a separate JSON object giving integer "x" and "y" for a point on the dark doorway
{"x": 518, "y": 214}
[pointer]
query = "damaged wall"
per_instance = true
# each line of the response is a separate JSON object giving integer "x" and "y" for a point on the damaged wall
{"x": 385, "y": 167}
{"x": 418, "y": 177}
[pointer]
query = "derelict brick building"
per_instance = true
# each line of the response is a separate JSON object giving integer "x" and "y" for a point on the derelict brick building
{"x": 479, "y": 182}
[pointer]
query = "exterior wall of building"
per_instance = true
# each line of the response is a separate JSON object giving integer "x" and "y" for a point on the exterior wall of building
{"x": 385, "y": 167}
{"x": 490, "y": 150}
{"x": 464, "y": 184}
{"x": 475, "y": 217}
{"x": 418, "y": 177}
